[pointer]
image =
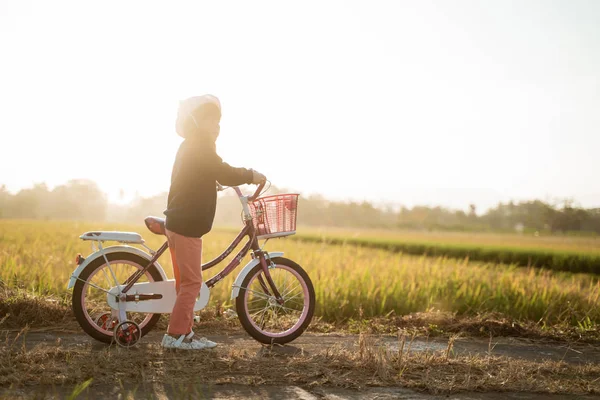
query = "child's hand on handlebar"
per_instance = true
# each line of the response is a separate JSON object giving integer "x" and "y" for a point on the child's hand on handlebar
{"x": 257, "y": 177}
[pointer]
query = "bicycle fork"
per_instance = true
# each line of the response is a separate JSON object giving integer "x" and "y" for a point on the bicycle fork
{"x": 267, "y": 274}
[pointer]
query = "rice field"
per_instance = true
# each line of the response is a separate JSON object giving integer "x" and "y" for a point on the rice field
{"x": 579, "y": 255}
{"x": 351, "y": 282}
{"x": 525, "y": 241}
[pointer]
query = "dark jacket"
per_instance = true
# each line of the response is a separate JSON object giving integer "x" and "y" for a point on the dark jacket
{"x": 193, "y": 194}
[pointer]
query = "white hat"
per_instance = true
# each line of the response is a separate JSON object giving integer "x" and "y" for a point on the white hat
{"x": 189, "y": 105}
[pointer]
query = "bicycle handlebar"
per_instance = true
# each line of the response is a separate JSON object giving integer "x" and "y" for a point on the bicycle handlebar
{"x": 239, "y": 192}
{"x": 258, "y": 190}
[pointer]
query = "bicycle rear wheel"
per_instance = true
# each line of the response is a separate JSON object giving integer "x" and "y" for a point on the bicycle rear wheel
{"x": 262, "y": 316}
{"x": 89, "y": 301}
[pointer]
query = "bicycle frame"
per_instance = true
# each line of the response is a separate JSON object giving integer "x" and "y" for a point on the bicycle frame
{"x": 252, "y": 244}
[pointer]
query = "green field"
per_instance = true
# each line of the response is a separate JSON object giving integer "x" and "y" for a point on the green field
{"x": 589, "y": 244}
{"x": 556, "y": 253}
{"x": 351, "y": 282}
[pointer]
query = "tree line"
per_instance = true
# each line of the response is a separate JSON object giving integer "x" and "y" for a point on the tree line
{"x": 83, "y": 200}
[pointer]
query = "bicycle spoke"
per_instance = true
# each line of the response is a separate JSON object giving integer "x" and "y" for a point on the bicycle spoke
{"x": 257, "y": 312}
{"x": 294, "y": 289}
{"x": 287, "y": 308}
{"x": 285, "y": 287}
{"x": 287, "y": 312}
{"x": 291, "y": 290}
{"x": 259, "y": 294}
{"x": 254, "y": 301}
{"x": 262, "y": 318}
{"x": 284, "y": 284}
{"x": 296, "y": 303}
{"x": 97, "y": 287}
{"x": 252, "y": 314}
{"x": 300, "y": 293}
{"x": 301, "y": 305}
{"x": 257, "y": 306}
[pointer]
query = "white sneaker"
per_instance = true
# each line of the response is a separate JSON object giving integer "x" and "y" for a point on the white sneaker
{"x": 169, "y": 342}
{"x": 208, "y": 344}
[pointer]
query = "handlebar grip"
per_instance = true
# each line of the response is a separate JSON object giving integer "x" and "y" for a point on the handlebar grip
{"x": 257, "y": 192}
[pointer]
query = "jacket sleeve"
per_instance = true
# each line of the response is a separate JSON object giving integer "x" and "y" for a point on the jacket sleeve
{"x": 231, "y": 176}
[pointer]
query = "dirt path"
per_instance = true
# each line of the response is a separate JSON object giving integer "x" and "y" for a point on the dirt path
{"x": 243, "y": 392}
{"x": 510, "y": 347}
{"x": 517, "y": 349}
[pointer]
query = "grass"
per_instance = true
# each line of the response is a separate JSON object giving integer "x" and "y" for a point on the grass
{"x": 577, "y": 255}
{"x": 359, "y": 289}
{"x": 352, "y": 283}
{"x": 363, "y": 364}
{"x": 481, "y": 239}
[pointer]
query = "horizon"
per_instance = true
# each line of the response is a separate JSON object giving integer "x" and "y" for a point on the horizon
{"x": 424, "y": 103}
{"x": 128, "y": 199}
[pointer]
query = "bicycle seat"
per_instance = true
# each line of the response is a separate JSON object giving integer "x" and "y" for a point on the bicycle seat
{"x": 155, "y": 225}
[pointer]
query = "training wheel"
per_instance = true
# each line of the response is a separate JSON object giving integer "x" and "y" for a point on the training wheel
{"x": 127, "y": 333}
{"x": 105, "y": 321}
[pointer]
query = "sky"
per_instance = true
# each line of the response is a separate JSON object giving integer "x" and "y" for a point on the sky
{"x": 400, "y": 102}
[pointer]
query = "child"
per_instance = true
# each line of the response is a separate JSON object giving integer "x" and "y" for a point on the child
{"x": 191, "y": 209}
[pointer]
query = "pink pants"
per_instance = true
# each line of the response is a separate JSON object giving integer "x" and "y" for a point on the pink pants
{"x": 186, "y": 254}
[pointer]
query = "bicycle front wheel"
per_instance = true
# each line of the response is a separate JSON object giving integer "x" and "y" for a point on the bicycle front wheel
{"x": 262, "y": 316}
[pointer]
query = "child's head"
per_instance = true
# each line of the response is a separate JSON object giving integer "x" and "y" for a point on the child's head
{"x": 199, "y": 117}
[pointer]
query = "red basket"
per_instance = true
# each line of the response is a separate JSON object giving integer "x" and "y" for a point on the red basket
{"x": 274, "y": 216}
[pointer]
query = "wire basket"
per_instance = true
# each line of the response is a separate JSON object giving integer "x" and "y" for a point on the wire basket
{"x": 274, "y": 216}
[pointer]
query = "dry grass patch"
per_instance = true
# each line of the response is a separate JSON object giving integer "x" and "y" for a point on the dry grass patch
{"x": 446, "y": 324}
{"x": 19, "y": 309}
{"x": 366, "y": 363}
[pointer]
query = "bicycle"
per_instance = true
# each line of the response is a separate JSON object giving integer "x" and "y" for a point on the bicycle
{"x": 120, "y": 291}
